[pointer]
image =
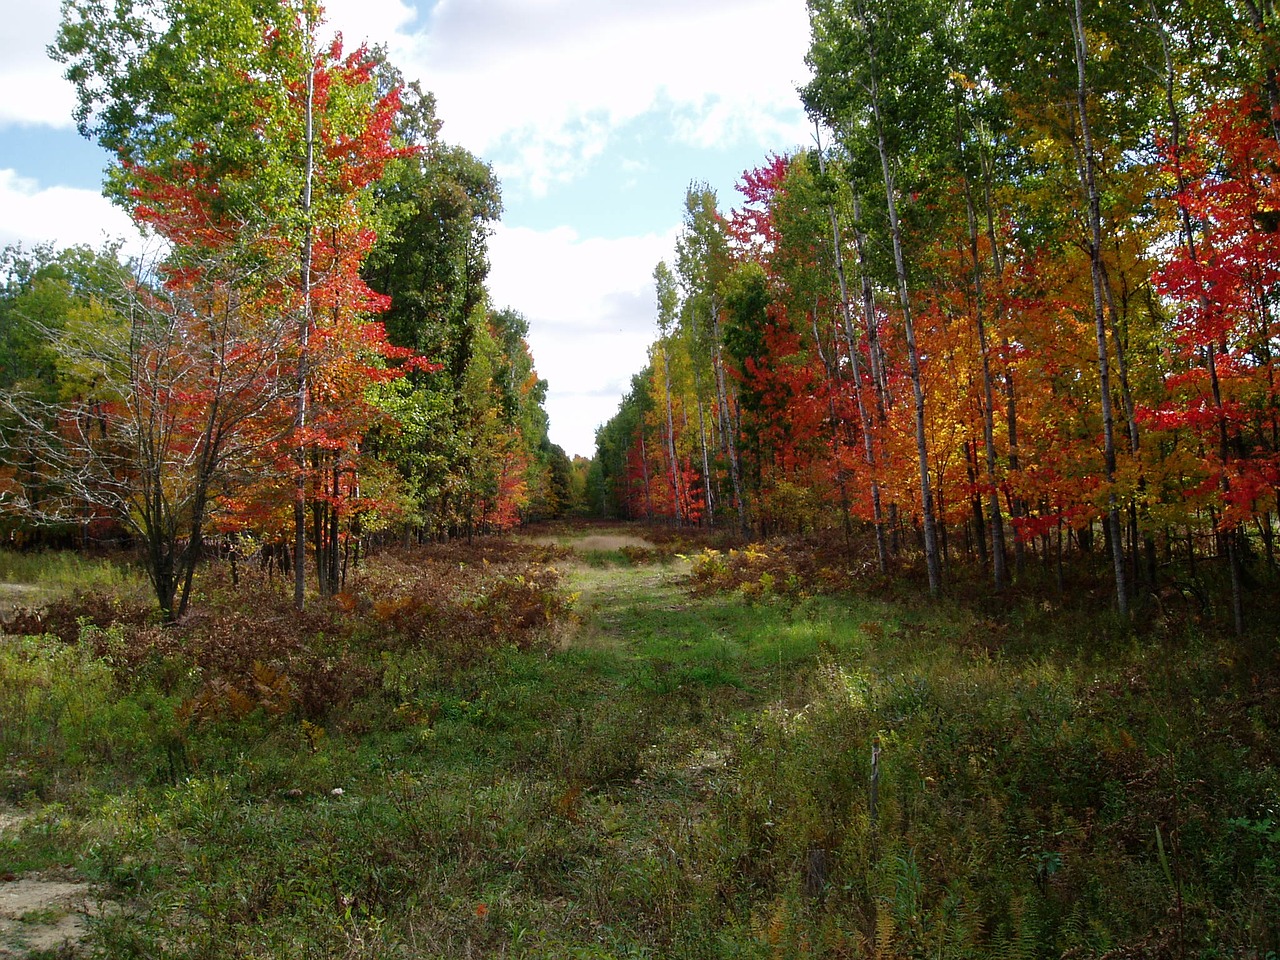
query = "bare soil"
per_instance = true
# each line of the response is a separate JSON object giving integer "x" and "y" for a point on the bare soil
{"x": 11, "y": 819}
{"x": 13, "y": 595}
{"x": 39, "y": 913}
{"x": 44, "y": 911}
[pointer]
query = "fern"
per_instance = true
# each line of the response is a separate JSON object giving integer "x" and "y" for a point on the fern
{"x": 957, "y": 925}
{"x": 1022, "y": 945}
{"x": 1075, "y": 928}
{"x": 885, "y": 929}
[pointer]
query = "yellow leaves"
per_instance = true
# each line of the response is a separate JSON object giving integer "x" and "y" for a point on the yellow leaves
{"x": 1047, "y": 152}
{"x": 312, "y": 735}
{"x": 1100, "y": 45}
{"x": 100, "y": 338}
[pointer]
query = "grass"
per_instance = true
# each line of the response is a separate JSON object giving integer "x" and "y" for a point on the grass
{"x": 660, "y": 775}
{"x": 64, "y": 571}
{"x": 29, "y": 579}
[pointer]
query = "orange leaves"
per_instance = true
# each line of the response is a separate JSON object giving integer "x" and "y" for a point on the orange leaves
{"x": 251, "y": 259}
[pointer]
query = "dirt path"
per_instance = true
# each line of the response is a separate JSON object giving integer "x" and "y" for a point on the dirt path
{"x": 602, "y": 588}
{"x": 41, "y": 912}
{"x": 610, "y": 596}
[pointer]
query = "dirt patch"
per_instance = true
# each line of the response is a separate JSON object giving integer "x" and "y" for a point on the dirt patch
{"x": 11, "y": 819}
{"x": 42, "y": 911}
{"x": 41, "y": 914}
{"x": 15, "y": 595}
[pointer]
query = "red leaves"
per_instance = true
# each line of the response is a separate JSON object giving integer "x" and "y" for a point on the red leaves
{"x": 753, "y": 226}
{"x": 1221, "y": 281}
{"x": 241, "y": 231}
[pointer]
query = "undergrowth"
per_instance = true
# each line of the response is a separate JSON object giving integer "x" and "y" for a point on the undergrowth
{"x": 453, "y": 758}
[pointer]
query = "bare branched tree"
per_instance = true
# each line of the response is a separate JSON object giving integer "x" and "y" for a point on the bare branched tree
{"x": 170, "y": 396}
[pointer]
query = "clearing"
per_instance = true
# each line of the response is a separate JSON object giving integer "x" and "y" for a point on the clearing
{"x": 730, "y": 756}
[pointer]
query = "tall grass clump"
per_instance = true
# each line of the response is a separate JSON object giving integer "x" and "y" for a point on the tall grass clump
{"x": 65, "y": 718}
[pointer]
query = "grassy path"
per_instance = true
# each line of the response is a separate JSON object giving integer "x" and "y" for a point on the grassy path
{"x": 543, "y": 803}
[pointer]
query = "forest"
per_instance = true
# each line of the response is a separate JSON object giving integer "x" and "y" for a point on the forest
{"x": 919, "y": 600}
{"x": 1013, "y": 305}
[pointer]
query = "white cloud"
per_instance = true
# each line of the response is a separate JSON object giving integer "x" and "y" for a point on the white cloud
{"x": 63, "y": 216}
{"x": 545, "y": 82}
{"x": 590, "y": 306}
{"x": 556, "y": 155}
{"x": 373, "y": 22}
{"x": 32, "y": 90}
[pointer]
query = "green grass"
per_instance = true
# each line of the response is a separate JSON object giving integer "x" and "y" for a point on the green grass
{"x": 28, "y": 580}
{"x": 681, "y": 777}
{"x": 606, "y": 558}
{"x": 64, "y": 571}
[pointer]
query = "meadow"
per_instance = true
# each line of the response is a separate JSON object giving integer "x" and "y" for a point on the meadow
{"x": 644, "y": 747}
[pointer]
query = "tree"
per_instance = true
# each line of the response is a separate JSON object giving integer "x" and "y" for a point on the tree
{"x": 162, "y": 83}
{"x": 170, "y": 398}
{"x": 1221, "y": 281}
{"x": 249, "y": 145}
{"x": 702, "y": 264}
{"x": 38, "y": 289}
{"x": 876, "y": 78}
{"x": 438, "y": 207}
{"x": 1093, "y": 197}
{"x": 668, "y": 303}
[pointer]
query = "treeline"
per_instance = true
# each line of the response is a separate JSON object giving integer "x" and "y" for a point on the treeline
{"x": 312, "y": 358}
{"x": 1019, "y": 297}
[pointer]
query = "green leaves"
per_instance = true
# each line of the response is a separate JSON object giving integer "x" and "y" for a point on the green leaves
{"x": 157, "y": 80}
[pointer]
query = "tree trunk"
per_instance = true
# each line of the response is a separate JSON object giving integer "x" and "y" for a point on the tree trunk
{"x": 1100, "y": 325}
{"x": 644, "y": 472}
{"x": 706, "y": 460}
{"x": 1258, "y": 16}
{"x": 833, "y": 380}
{"x": 304, "y": 335}
{"x": 1234, "y": 564}
{"x": 728, "y": 424}
{"x": 913, "y": 353}
{"x": 875, "y": 358}
{"x": 671, "y": 438}
{"x": 975, "y": 502}
{"x": 988, "y": 390}
{"x": 1016, "y": 509}
{"x": 864, "y": 415}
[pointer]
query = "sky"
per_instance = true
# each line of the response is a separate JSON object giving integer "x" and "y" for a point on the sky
{"x": 595, "y": 114}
